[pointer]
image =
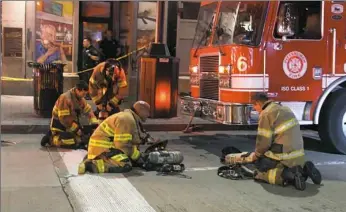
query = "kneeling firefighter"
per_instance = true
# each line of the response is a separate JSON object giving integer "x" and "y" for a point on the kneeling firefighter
{"x": 106, "y": 86}
{"x": 279, "y": 154}
{"x": 65, "y": 129}
{"x": 113, "y": 146}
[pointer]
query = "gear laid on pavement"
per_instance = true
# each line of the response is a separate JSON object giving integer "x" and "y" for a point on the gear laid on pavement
{"x": 234, "y": 172}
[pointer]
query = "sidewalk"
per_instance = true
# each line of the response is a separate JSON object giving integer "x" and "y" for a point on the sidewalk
{"x": 18, "y": 116}
{"x": 33, "y": 185}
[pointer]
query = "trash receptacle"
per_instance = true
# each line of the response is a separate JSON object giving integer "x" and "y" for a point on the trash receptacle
{"x": 48, "y": 84}
{"x": 158, "y": 81}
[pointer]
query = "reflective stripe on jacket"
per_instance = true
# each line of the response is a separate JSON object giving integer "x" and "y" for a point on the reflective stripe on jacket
{"x": 279, "y": 136}
{"x": 64, "y": 114}
{"x": 120, "y": 131}
{"x": 98, "y": 84}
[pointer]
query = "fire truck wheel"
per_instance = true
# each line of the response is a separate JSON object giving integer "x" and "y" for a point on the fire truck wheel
{"x": 332, "y": 124}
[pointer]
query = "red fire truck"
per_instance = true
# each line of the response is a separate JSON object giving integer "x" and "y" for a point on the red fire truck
{"x": 295, "y": 51}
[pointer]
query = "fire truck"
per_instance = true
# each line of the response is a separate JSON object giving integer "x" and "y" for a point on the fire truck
{"x": 295, "y": 51}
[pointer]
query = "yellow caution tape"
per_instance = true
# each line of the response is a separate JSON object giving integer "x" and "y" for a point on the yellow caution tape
{"x": 119, "y": 58}
{"x": 14, "y": 79}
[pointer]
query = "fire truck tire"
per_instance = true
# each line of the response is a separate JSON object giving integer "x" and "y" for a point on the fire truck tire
{"x": 332, "y": 122}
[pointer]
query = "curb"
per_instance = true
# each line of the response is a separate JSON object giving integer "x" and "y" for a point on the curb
{"x": 42, "y": 129}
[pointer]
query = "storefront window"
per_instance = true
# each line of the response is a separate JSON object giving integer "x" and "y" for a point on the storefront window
{"x": 146, "y": 23}
{"x": 94, "y": 31}
{"x": 54, "y": 39}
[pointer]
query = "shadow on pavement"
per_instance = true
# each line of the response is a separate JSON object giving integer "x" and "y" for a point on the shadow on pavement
{"x": 135, "y": 172}
{"x": 290, "y": 191}
{"x": 214, "y": 143}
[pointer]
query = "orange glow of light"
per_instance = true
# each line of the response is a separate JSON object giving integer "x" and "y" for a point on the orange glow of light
{"x": 163, "y": 96}
{"x": 39, "y": 6}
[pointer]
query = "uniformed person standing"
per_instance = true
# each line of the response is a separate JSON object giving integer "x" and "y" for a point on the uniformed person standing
{"x": 279, "y": 153}
{"x": 107, "y": 85}
{"x": 65, "y": 129}
{"x": 113, "y": 146}
{"x": 90, "y": 58}
{"x": 110, "y": 46}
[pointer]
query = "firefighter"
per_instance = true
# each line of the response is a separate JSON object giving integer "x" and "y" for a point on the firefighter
{"x": 279, "y": 154}
{"x": 107, "y": 84}
{"x": 113, "y": 147}
{"x": 65, "y": 129}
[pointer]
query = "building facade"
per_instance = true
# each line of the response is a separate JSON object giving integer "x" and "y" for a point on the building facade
{"x": 46, "y": 31}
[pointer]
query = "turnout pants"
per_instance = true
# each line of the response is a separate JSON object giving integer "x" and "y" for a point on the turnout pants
{"x": 65, "y": 140}
{"x": 271, "y": 171}
{"x": 278, "y": 172}
{"x": 271, "y": 176}
{"x": 114, "y": 161}
{"x": 113, "y": 111}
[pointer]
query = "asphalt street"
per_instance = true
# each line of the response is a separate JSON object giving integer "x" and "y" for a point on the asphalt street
{"x": 38, "y": 179}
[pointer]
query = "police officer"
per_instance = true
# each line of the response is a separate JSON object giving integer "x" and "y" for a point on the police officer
{"x": 90, "y": 58}
{"x": 113, "y": 146}
{"x": 279, "y": 154}
{"x": 65, "y": 128}
{"x": 107, "y": 83}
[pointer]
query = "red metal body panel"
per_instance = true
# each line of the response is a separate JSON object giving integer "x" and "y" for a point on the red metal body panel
{"x": 297, "y": 83}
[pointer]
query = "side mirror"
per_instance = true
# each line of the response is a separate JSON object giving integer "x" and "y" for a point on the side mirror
{"x": 287, "y": 20}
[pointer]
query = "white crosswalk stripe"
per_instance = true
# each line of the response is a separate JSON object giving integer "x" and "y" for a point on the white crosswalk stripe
{"x": 101, "y": 192}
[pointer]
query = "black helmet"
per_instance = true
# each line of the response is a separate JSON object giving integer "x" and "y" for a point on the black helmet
{"x": 110, "y": 64}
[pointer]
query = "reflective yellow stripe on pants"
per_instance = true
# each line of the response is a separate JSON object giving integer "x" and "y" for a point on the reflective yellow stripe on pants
{"x": 100, "y": 164}
{"x": 119, "y": 158}
{"x": 285, "y": 156}
{"x": 135, "y": 153}
{"x": 68, "y": 141}
{"x": 272, "y": 176}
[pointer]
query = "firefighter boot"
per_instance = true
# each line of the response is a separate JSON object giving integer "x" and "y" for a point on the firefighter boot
{"x": 294, "y": 176}
{"x": 81, "y": 168}
{"x": 311, "y": 171}
{"x": 46, "y": 139}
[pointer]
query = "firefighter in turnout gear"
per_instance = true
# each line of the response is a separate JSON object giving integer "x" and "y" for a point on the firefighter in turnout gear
{"x": 113, "y": 147}
{"x": 279, "y": 154}
{"x": 107, "y": 84}
{"x": 65, "y": 129}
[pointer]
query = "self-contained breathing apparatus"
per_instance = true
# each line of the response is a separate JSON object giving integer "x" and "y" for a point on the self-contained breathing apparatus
{"x": 156, "y": 157}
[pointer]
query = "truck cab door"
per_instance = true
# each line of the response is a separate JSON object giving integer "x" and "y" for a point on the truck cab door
{"x": 296, "y": 51}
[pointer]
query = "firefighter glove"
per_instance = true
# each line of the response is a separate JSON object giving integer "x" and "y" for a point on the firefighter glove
{"x": 79, "y": 132}
{"x": 246, "y": 155}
